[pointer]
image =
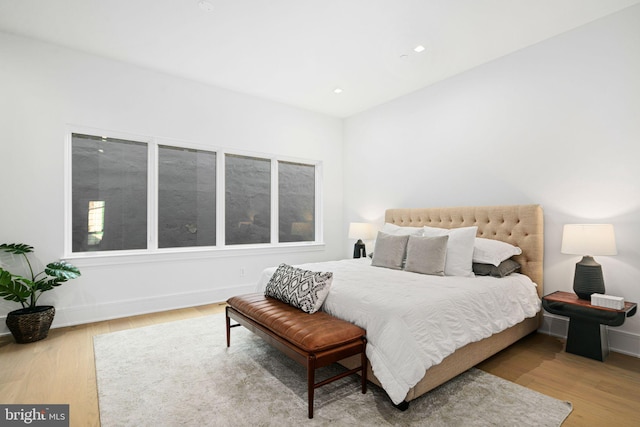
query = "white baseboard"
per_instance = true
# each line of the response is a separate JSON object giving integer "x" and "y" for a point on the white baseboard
{"x": 113, "y": 310}
{"x": 619, "y": 341}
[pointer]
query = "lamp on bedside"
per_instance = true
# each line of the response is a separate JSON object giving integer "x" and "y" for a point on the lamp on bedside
{"x": 588, "y": 240}
{"x": 360, "y": 230}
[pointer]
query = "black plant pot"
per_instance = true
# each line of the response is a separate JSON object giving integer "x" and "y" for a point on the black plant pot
{"x": 30, "y": 324}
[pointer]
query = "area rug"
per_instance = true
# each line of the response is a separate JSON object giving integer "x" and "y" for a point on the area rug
{"x": 182, "y": 373}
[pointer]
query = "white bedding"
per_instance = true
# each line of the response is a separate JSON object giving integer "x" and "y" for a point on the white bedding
{"x": 413, "y": 321}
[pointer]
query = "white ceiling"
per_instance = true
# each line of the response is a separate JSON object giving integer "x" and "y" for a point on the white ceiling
{"x": 298, "y": 51}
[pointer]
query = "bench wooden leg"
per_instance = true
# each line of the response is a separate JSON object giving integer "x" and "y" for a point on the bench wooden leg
{"x": 311, "y": 381}
{"x": 365, "y": 368}
{"x": 229, "y": 326}
{"x": 226, "y": 311}
{"x": 311, "y": 368}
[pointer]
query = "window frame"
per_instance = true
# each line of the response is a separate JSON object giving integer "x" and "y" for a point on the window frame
{"x": 155, "y": 253}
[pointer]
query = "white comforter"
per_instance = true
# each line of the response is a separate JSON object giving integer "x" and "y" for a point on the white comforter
{"x": 413, "y": 321}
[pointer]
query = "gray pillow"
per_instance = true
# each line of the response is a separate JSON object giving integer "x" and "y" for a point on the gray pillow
{"x": 505, "y": 268}
{"x": 427, "y": 255}
{"x": 299, "y": 288}
{"x": 389, "y": 251}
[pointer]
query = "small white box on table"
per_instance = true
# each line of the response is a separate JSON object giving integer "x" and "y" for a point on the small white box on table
{"x": 608, "y": 301}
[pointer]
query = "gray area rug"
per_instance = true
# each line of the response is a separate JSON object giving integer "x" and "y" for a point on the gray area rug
{"x": 182, "y": 373}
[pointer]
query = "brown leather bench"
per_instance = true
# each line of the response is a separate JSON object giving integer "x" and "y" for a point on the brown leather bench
{"x": 313, "y": 340}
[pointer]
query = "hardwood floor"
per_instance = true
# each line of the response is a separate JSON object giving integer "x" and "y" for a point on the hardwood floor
{"x": 602, "y": 393}
{"x": 61, "y": 369}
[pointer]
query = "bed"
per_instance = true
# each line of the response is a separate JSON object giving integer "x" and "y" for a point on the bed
{"x": 415, "y": 370}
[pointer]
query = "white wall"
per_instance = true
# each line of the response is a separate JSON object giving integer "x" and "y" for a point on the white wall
{"x": 557, "y": 124}
{"x": 44, "y": 88}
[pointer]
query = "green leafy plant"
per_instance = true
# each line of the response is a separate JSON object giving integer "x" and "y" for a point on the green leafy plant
{"x": 27, "y": 290}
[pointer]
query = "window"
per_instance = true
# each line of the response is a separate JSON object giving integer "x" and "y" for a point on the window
{"x": 109, "y": 194}
{"x": 296, "y": 202}
{"x": 247, "y": 200}
{"x": 186, "y": 197}
{"x": 138, "y": 194}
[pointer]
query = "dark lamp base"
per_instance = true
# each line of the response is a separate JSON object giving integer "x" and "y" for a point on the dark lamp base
{"x": 359, "y": 250}
{"x": 588, "y": 278}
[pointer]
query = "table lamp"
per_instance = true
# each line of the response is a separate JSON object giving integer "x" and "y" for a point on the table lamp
{"x": 588, "y": 240}
{"x": 360, "y": 230}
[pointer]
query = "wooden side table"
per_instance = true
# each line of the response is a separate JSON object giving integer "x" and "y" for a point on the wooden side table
{"x": 587, "y": 323}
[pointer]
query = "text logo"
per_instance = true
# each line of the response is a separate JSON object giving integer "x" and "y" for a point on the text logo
{"x": 34, "y": 415}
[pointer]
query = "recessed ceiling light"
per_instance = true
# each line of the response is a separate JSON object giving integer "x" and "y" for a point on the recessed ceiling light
{"x": 419, "y": 48}
{"x": 205, "y": 5}
{"x": 337, "y": 90}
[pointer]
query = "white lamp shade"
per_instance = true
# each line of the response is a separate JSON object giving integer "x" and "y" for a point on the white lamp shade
{"x": 361, "y": 230}
{"x": 588, "y": 239}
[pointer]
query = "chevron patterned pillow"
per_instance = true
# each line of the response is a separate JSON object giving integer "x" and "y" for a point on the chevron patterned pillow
{"x": 303, "y": 289}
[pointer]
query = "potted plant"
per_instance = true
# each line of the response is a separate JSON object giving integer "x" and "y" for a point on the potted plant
{"x": 32, "y": 321}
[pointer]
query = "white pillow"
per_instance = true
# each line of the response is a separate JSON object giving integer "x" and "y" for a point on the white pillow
{"x": 459, "y": 249}
{"x": 489, "y": 251}
{"x": 396, "y": 230}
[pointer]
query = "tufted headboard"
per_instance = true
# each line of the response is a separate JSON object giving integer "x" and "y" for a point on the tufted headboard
{"x": 520, "y": 225}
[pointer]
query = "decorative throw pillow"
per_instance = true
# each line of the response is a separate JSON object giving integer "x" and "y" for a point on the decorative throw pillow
{"x": 459, "y": 249}
{"x": 505, "y": 268}
{"x": 426, "y": 255}
{"x": 389, "y": 251}
{"x": 299, "y": 288}
{"x": 490, "y": 251}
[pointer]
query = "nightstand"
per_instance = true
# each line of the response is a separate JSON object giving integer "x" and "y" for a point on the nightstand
{"x": 587, "y": 323}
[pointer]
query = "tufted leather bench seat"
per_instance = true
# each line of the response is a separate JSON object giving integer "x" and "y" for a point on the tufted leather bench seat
{"x": 313, "y": 340}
